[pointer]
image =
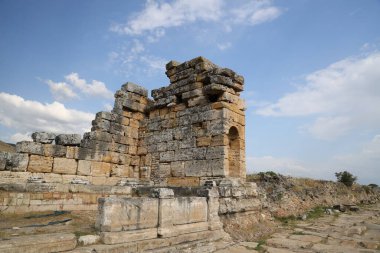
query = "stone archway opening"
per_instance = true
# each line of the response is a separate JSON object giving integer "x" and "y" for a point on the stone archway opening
{"x": 234, "y": 152}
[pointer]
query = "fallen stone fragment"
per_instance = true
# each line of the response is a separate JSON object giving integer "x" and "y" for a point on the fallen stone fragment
{"x": 88, "y": 239}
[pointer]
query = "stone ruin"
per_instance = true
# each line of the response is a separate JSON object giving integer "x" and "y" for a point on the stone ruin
{"x": 159, "y": 171}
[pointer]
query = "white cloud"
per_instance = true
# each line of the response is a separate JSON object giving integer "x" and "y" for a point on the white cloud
{"x": 17, "y": 137}
{"x": 224, "y": 46}
{"x": 61, "y": 91}
{"x": 95, "y": 88}
{"x": 342, "y": 97}
{"x": 26, "y": 116}
{"x": 159, "y": 15}
{"x": 133, "y": 58}
{"x": 284, "y": 166}
{"x": 364, "y": 163}
{"x": 255, "y": 12}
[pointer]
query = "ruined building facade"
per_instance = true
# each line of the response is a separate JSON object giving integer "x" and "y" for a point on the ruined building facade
{"x": 159, "y": 172}
{"x": 192, "y": 131}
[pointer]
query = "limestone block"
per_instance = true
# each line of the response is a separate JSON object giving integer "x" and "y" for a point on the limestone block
{"x": 204, "y": 141}
{"x": 119, "y": 170}
{"x": 17, "y": 162}
{"x": 65, "y": 166}
{"x": 100, "y": 125}
{"x": 72, "y": 152}
{"x": 84, "y": 168}
{"x": 43, "y": 137}
{"x": 54, "y": 150}
{"x": 219, "y": 140}
{"x": 3, "y": 160}
{"x": 167, "y": 156}
{"x": 88, "y": 239}
{"x": 177, "y": 169}
{"x": 233, "y": 205}
{"x": 183, "y": 229}
{"x": 145, "y": 172}
{"x": 117, "y": 214}
{"x": 68, "y": 139}
{"x": 40, "y": 163}
{"x": 100, "y": 169}
{"x": 182, "y": 210}
{"x": 219, "y": 152}
{"x": 183, "y": 181}
{"x": 29, "y": 147}
{"x": 162, "y": 193}
{"x": 198, "y": 168}
{"x": 135, "y": 160}
{"x": 55, "y": 242}
{"x": 128, "y": 236}
{"x": 134, "y": 88}
{"x": 163, "y": 170}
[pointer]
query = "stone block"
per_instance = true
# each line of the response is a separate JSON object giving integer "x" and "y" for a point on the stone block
{"x": 163, "y": 170}
{"x": 65, "y": 166}
{"x": 117, "y": 214}
{"x": 183, "y": 229}
{"x": 84, "y": 168}
{"x": 134, "y": 88}
{"x": 17, "y": 162}
{"x": 55, "y": 242}
{"x": 204, "y": 141}
{"x": 68, "y": 139}
{"x": 3, "y": 160}
{"x": 128, "y": 236}
{"x": 54, "y": 150}
{"x": 167, "y": 156}
{"x": 29, "y": 147}
{"x": 177, "y": 169}
{"x": 183, "y": 181}
{"x": 119, "y": 170}
{"x": 162, "y": 193}
{"x": 72, "y": 152}
{"x": 43, "y": 137}
{"x": 100, "y": 169}
{"x": 40, "y": 164}
{"x": 88, "y": 239}
{"x": 198, "y": 168}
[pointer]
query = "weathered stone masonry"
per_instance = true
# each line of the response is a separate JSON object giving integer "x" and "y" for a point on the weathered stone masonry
{"x": 192, "y": 131}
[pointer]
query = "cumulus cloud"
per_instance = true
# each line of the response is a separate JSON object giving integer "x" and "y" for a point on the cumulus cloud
{"x": 61, "y": 91}
{"x": 95, "y": 88}
{"x": 65, "y": 90}
{"x": 17, "y": 137}
{"x": 26, "y": 116}
{"x": 255, "y": 12}
{"x": 158, "y": 15}
{"x": 342, "y": 97}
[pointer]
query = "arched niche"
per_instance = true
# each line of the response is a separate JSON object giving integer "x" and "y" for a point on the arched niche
{"x": 234, "y": 152}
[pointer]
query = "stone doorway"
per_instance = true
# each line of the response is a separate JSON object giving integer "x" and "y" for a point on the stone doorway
{"x": 234, "y": 152}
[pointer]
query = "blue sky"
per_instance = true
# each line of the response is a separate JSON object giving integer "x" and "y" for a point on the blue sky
{"x": 311, "y": 68}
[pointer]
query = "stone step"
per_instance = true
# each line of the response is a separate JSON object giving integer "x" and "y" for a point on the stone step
{"x": 43, "y": 243}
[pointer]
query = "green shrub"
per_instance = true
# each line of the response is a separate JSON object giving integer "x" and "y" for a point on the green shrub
{"x": 346, "y": 178}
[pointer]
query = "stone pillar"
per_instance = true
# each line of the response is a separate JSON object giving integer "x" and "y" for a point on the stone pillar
{"x": 165, "y": 204}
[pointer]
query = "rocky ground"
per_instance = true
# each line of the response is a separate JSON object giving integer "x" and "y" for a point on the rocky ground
{"x": 335, "y": 233}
